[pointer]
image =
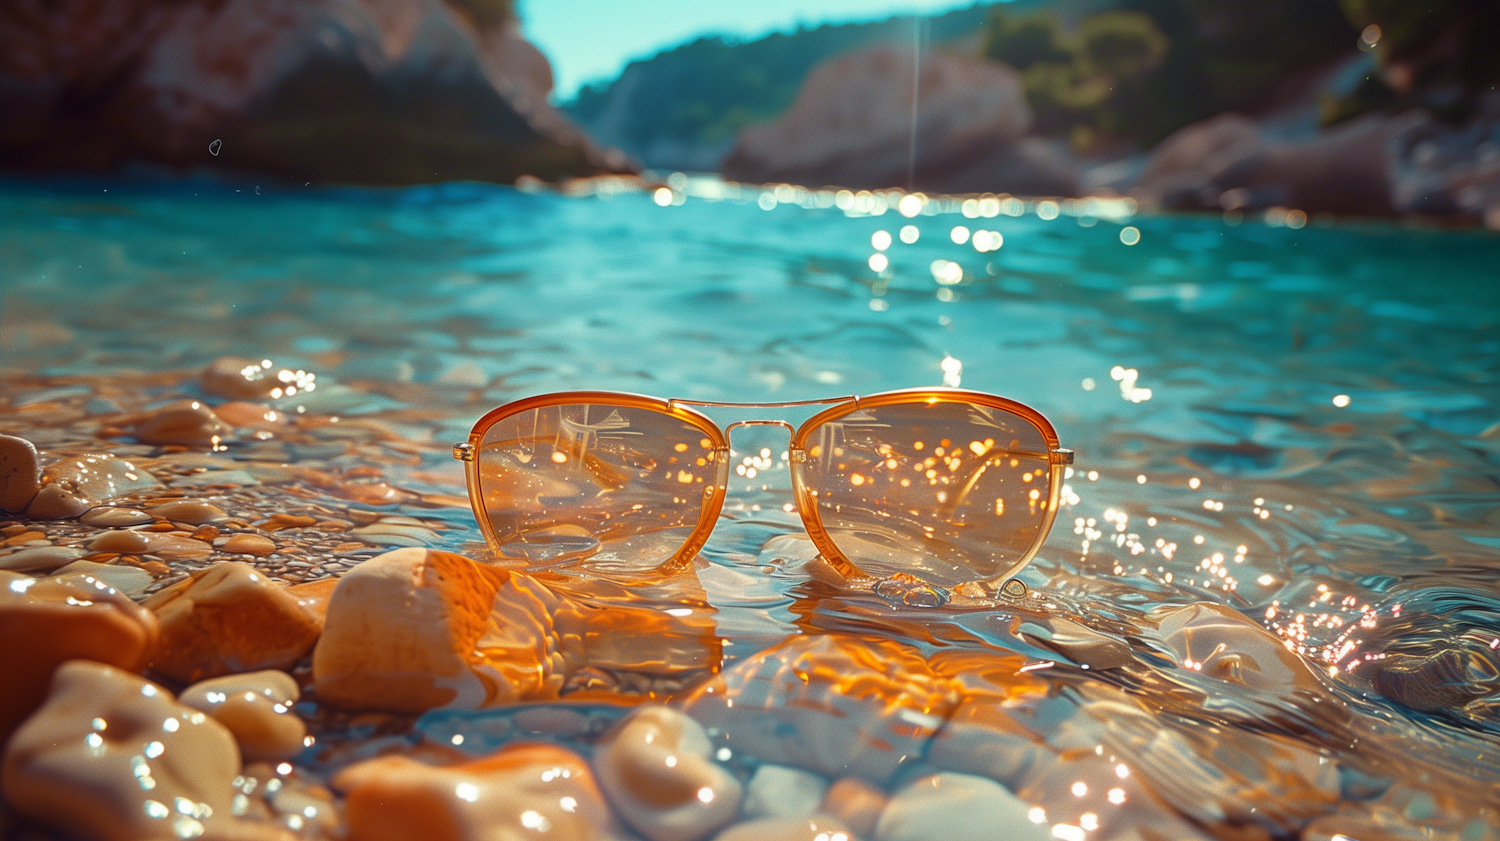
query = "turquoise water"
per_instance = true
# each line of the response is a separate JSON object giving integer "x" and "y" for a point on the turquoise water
{"x": 1323, "y": 413}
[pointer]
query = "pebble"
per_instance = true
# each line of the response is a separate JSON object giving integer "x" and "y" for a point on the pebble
{"x": 984, "y": 736}
{"x": 46, "y": 621}
{"x": 776, "y": 791}
{"x": 78, "y": 483}
{"x": 523, "y": 791}
{"x": 257, "y": 709}
{"x": 190, "y": 511}
{"x": 130, "y": 580}
{"x": 1223, "y": 643}
{"x": 389, "y": 534}
{"x": 414, "y": 629}
{"x": 20, "y": 472}
{"x": 54, "y": 502}
{"x": 238, "y": 413}
{"x": 80, "y": 765}
{"x": 1444, "y": 680}
{"x": 816, "y": 828}
{"x": 1079, "y": 643}
{"x": 654, "y": 767}
{"x": 40, "y": 558}
{"x": 957, "y": 807}
{"x": 168, "y": 545}
{"x": 186, "y": 422}
{"x": 838, "y": 704}
{"x": 114, "y": 518}
{"x": 241, "y": 379}
{"x": 249, "y": 544}
{"x": 314, "y": 595}
{"x": 226, "y": 619}
{"x": 855, "y": 802}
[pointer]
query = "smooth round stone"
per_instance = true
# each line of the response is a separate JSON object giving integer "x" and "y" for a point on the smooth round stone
{"x": 239, "y": 378}
{"x": 20, "y": 473}
{"x": 79, "y": 765}
{"x": 114, "y": 518}
{"x": 54, "y": 502}
{"x": 249, "y": 544}
{"x": 957, "y": 807}
{"x": 257, "y": 709}
{"x": 79, "y": 483}
{"x": 40, "y": 558}
{"x": 776, "y": 791}
{"x": 122, "y": 541}
{"x": 815, "y": 828}
{"x": 129, "y": 580}
{"x": 415, "y": 629}
{"x": 524, "y": 791}
{"x": 855, "y": 802}
{"x": 190, "y": 511}
{"x": 47, "y": 621}
{"x": 226, "y": 619}
{"x": 654, "y": 767}
{"x": 186, "y": 422}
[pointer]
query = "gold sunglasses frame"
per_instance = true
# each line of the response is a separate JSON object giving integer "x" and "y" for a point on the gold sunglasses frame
{"x": 713, "y": 504}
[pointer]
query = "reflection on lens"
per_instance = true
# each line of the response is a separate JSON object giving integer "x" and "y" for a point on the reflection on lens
{"x": 618, "y": 485}
{"x": 949, "y": 492}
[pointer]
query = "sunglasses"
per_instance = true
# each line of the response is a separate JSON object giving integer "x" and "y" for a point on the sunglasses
{"x": 946, "y": 485}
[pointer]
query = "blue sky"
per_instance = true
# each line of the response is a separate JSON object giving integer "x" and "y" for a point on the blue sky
{"x": 587, "y": 40}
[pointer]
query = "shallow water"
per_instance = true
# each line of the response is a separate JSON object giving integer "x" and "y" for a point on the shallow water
{"x": 1303, "y": 425}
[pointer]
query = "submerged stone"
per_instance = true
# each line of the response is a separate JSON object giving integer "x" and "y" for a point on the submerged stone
{"x": 655, "y": 768}
{"x": 115, "y": 518}
{"x": 130, "y": 580}
{"x": 186, "y": 422}
{"x": 815, "y": 828}
{"x": 190, "y": 511}
{"x": 47, "y": 621}
{"x": 1225, "y": 644}
{"x": 414, "y": 629}
{"x": 776, "y": 791}
{"x": 76, "y": 484}
{"x": 40, "y": 558}
{"x": 523, "y": 791}
{"x": 227, "y": 619}
{"x": 957, "y": 807}
{"x": 834, "y": 703}
{"x": 110, "y": 756}
{"x": 1441, "y": 681}
{"x": 257, "y": 709}
{"x": 856, "y": 803}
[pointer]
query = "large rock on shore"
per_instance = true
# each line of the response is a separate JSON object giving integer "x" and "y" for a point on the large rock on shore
{"x": 356, "y": 91}
{"x": 852, "y": 126}
{"x": 1347, "y": 169}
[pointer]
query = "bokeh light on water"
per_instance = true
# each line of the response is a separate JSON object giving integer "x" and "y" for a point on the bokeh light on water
{"x": 1299, "y": 422}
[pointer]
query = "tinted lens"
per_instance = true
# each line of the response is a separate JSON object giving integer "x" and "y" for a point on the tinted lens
{"x": 620, "y": 485}
{"x": 948, "y": 492}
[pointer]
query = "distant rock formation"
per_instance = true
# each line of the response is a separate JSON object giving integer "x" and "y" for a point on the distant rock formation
{"x": 351, "y": 91}
{"x": 852, "y": 125}
{"x": 1377, "y": 164}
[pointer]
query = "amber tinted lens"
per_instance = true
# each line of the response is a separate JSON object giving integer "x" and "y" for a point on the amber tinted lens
{"x": 616, "y": 484}
{"x": 948, "y": 492}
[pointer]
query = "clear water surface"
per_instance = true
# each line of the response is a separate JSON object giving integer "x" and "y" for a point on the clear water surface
{"x": 1300, "y": 424}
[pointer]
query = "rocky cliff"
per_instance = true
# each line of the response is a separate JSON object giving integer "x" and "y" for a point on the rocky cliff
{"x": 352, "y": 91}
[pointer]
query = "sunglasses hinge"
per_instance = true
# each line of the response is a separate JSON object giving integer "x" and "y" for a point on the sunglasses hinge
{"x": 1061, "y": 456}
{"x": 463, "y": 452}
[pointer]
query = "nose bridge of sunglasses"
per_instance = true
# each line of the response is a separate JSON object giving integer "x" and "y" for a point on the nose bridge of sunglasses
{"x": 758, "y": 447}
